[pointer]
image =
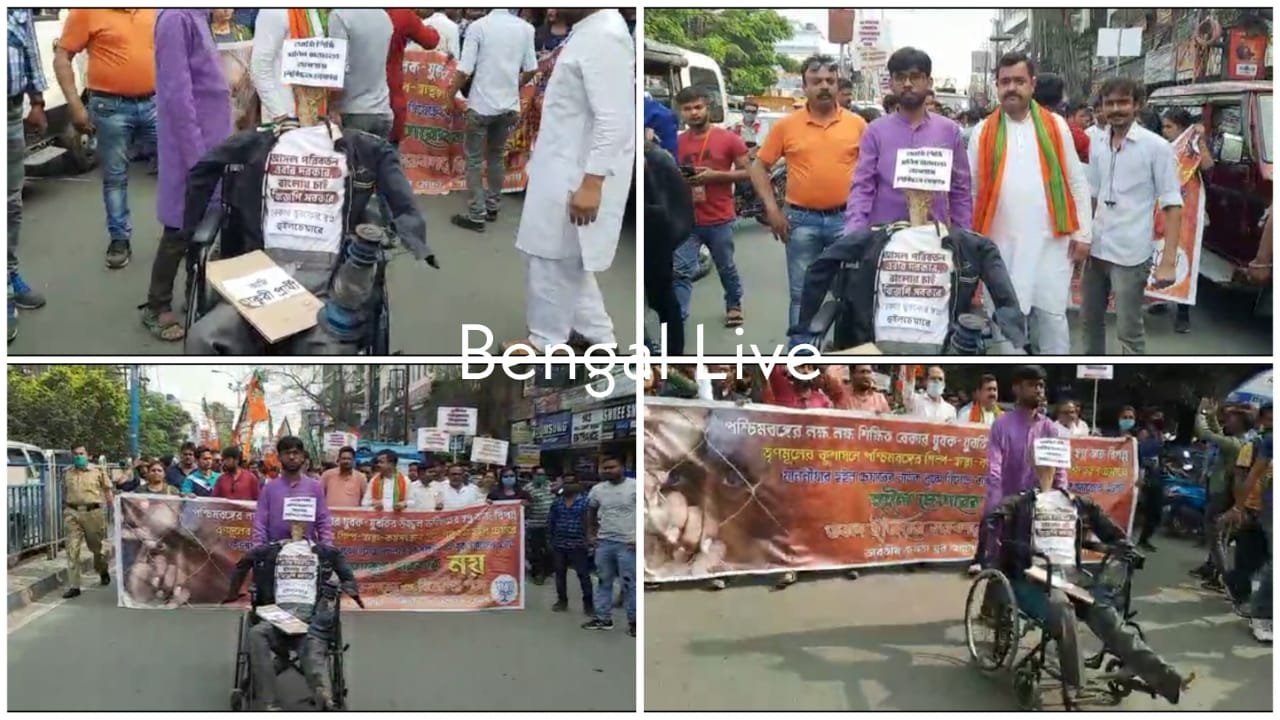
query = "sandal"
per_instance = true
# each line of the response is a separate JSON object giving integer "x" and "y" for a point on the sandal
{"x": 164, "y": 326}
{"x": 733, "y": 317}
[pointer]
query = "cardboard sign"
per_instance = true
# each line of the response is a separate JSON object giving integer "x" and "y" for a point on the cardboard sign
{"x": 457, "y": 420}
{"x": 927, "y": 169}
{"x": 1095, "y": 372}
{"x": 489, "y": 451}
{"x": 282, "y": 619}
{"x": 338, "y": 440}
{"x": 314, "y": 62}
{"x": 299, "y": 509}
{"x": 275, "y": 320}
{"x": 1052, "y": 452}
{"x": 433, "y": 440}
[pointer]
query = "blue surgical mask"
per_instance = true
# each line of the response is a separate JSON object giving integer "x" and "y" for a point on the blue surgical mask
{"x": 508, "y": 481}
{"x": 935, "y": 388}
{"x": 1126, "y": 424}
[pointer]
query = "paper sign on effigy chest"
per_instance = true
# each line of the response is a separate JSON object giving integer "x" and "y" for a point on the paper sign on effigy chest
{"x": 913, "y": 288}
{"x": 306, "y": 186}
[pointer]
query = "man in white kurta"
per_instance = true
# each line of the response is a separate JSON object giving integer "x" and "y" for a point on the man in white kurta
{"x": 579, "y": 180}
{"x": 1039, "y": 263}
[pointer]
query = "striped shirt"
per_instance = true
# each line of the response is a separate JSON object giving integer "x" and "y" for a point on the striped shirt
{"x": 25, "y": 72}
{"x": 535, "y": 514}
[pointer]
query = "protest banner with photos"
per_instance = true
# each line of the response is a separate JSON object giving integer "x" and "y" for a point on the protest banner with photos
{"x": 760, "y": 489}
{"x": 431, "y": 151}
{"x": 174, "y": 552}
{"x": 245, "y": 108}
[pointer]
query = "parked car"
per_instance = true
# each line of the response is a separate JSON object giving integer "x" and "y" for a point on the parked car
{"x": 1238, "y": 118}
{"x": 61, "y": 141}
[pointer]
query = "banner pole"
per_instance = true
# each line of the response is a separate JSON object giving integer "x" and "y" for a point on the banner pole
{"x": 1095, "y": 404}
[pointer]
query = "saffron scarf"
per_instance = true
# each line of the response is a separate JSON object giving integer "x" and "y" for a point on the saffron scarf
{"x": 991, "y": 155}
{"x": 397, "y": 492}
{"x": 975, "y": 412}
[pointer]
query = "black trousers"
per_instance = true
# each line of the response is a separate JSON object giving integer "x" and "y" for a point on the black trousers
{"x": 1251, "y": 555}
{"x": 577, "y": 558}
{"x": 537, "y": 548}
{"x": 174, "y": 252}
{"x": 1152, "y": 502}
{"x": 659, "y": 286}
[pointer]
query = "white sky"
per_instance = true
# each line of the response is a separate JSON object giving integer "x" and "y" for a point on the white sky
{"x": 947, "y": 35}
{"x": 190, "y": 383}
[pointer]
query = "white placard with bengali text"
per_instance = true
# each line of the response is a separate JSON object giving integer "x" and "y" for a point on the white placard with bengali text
{"x": 299, "y": 509}
{"x": 927, "y": 169}
{"x": 913, "y": 288}
{"x": 262, "y": 288}
{"x": 314, "y": 62}
{"x": 489, "y": 451}
{"x": 433, "y": 440}
{"x": 306, "y": 186}
{"x": 1052, "y": 452}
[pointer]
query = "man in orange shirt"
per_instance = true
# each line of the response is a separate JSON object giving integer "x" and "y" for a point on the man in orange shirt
{"x": 122, "y": 111}
{"x": 820, "y": 145}
{"x": 344, "y": 485}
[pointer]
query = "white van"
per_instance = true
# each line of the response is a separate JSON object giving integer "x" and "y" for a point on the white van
{"x": 78, "y": 149}
{"x": 669, "y": 69}
{"x": 26, "y": 461}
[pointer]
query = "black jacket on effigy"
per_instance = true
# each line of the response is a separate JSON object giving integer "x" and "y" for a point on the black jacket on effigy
{"x": 261, "y": 560}
{"x": 975, "y": 258}
{"x": 373, "y": 166}
{"x": 1014, "y": 515}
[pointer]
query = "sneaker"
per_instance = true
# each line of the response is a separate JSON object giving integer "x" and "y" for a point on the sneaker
{"x": 118, "y": 254}
{"x": 1261, "y": 628}
{"x": 13, "y": 321}
{"x": 71, "y": 593}
{"x": 560, "y": 606}
{"x": 788, "y": 578}
{"x": 597, "y": 624}
{"x": 631, "y": 630}
{"x": 974, "y": 569}
{"x": 1182, "y": 324}
{"x": 24, "y": 297}
{"x": 467, "y": 223}
{"x": 853, "y": 574}
{"x": 491, "y": 216}
{"x": 716, "y": 584}
{"x": 105, "y": 578}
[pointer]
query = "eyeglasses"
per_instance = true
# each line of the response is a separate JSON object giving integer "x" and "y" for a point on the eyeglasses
{"x": 913, "y": 77}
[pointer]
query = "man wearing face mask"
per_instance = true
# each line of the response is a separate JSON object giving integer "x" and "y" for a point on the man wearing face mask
{"x": 930, "y": 404}
{"x": 872, "y": 198}
{"x": 749, "y": 128}
{"x": 535, "y": 522}
{"x": 86, "y": 493}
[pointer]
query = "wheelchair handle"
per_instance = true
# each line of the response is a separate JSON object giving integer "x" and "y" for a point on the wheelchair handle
{"x": 207, "y": 230}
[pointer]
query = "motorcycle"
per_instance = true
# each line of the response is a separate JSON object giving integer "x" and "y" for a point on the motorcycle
{"x": 1184, "y": 499}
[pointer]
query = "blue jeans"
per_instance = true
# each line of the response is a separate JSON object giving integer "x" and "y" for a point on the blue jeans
{"x": 121, "y": 123}
{"x": 615, "y": 560}
{"x": 719, "y": 239}
{"x": 809, "y": 234}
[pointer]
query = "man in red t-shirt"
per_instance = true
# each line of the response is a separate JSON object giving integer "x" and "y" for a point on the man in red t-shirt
{"x": 712, "y": 160}
{"x": 236, "y": 482}
{"x": 405, "y": 26}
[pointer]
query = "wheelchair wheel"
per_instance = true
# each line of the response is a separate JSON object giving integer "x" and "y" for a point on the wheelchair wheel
{"x": 241, "y": 692}
{"x": 991, "y": 606}
{"x": 1026, "y": 689}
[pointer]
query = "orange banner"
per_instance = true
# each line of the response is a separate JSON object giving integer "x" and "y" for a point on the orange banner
{"x": 431, "y": 151}
{"x": 452, "y": 560}
{"x": 756, "y": 489}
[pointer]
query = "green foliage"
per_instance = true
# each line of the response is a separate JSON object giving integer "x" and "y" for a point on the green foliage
{"x": 223, "y": 417}
{"x": 741, "y": 41}
{"x": 61, "y": 406}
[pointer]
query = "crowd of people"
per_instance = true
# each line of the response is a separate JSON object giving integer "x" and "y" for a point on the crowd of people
{"x": 157, "y": 85}
{"x": 1046, "y": 181}
{"x": 581, "y": 524}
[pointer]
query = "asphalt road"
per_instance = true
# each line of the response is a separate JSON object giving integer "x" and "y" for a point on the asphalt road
{"x": 894, "y": 640}
{"x": 88, "y": 655}
{"x": 1220, "y": 321}
{"x": 93, "y": 310}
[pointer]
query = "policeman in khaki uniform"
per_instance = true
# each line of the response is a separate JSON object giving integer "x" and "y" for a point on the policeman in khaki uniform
{"x": 86, "y": 492}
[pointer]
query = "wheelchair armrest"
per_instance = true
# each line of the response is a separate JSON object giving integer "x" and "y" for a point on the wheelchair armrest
{"x": 207, "y": 231}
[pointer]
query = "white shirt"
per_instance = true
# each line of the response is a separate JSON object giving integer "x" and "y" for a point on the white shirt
{"x": 922, "y": 406}
{"x": 448, "y": 30}
{"x": 1079, "y": 429}
{"x": 1095, "y": 134}
{"x": 1039, "y": 263}
{"x": 269, "y": 33}
{"x": 421, "y": 497}
{"x": 464, "y": 497}
{"x": 498, "y": 47}
{"x": 588, "y": 127}
{"x": 987, "y": 416}
{"x": 1128, "y": 185}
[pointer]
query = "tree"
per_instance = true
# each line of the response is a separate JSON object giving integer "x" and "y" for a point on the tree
{"x": 222, "y": 418}
{"x": 333, "y": 389}
{"x": 162, "y": 425}
{"x": 67, "y": 405}
{"x": 741, "y": 41}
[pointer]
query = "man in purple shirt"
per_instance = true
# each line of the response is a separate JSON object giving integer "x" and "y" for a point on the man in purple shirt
{"x": 269, "y": 524}
{"x": 872, "y": 198}
{"x": 193, "y": 115}
{"x": 1009, "y": 467}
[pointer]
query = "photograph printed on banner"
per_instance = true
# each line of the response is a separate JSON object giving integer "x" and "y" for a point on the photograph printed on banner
{"x": 310, "y": 507}
{"x": 411, "y": 172}
{"x": 893, "y": 529}
{"x": 911, "y": 182}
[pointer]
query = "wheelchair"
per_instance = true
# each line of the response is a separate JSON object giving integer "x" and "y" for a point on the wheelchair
{"x": 993, "y": 605}
{"x": 242, "y": 691}
{"x": 216, "y": 237}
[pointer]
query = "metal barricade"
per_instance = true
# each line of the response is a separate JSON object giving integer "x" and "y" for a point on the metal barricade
{"x": 35, "y": 507}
